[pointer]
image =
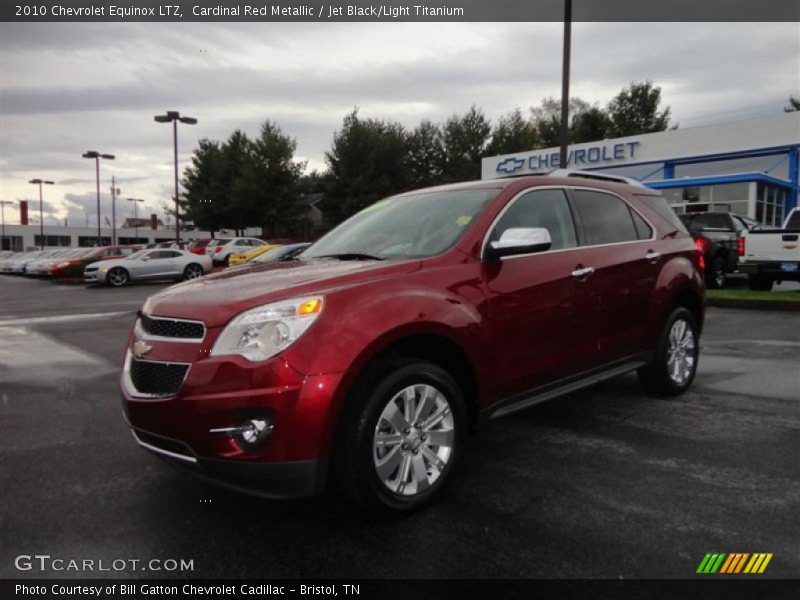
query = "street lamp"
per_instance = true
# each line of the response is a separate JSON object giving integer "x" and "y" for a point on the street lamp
{"x": 97, "y": 156}
{"x": 3, "y": 223}
{"x": 135, "y": 216}
{"x": 174, "y": 116}
{"x": 39, "y": 182}
{"x": 564, "y": 133}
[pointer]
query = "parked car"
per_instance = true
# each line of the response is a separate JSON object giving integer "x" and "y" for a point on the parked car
{"x": 280, "y": 253}
{"x": 240, "y": 258}
{"x": 73, "y": 266}
{"x": 41, "y": 266}
{"x": 148, "y": 264}
{"x": 717, "y": 235}
{"x": 17, "y": 265}
{"x": 5, "y": 261}
{"x": 221, "y": 249}
{"x": 770, "y": 255}
{"x": 369, "y": 357}
{"x": 198, "y": 246}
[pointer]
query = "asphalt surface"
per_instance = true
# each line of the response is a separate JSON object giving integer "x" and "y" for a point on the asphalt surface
{"x": 602, "y": 483}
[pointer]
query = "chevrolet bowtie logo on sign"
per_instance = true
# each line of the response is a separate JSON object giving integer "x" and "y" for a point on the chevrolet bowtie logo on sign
{"x": 733, "y": 563}
{"x": 510, "y": 165}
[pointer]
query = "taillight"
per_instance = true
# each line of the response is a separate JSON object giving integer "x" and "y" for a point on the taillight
{"x": 740, "y": 246}
{"x": 218, "y": 249}
{"x": 701, "y": 244}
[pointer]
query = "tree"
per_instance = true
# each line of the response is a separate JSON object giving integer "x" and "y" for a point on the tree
{"x": 366, "y": 163}
{"x": 268, "y": 186}
{"x": 635, "y": 110}
{"x": 242, "y": 207}
{"x": 794, "y": 105}
{"x": 589, "y": 126}
{"x": 513, "y": 134}
{"x": 547, "y": 119}
{"x": 202, "y": 202}
{"x": 465, "y": 140}
{"x": 425, "y": 155}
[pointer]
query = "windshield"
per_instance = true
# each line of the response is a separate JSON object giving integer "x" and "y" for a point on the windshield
{"x": 419, "y": 225}
{"x": 139, "y": 254}
{"x": 271, "y": 254}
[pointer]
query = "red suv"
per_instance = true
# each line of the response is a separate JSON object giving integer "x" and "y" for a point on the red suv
{"x": 368, "y": 358}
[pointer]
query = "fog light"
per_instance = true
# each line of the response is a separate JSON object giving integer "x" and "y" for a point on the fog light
{"x": 251, "y": 434}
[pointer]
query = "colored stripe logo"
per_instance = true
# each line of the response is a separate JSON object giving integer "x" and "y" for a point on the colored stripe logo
{"x": 734, "y": 563}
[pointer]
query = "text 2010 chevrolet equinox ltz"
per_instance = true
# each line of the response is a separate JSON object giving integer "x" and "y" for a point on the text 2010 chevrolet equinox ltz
{"x": 367, "y": 360}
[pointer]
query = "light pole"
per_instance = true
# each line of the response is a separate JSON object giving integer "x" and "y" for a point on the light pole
{"x": 40, "y": 182}
{"x": 97, "y": 156}
{"x": 564, "y": 141}
{"x": 3, "y": 223}
{"x": 174, "y": 116}
{"x": 114, "y": 193}
{"x": 135, "y": 216}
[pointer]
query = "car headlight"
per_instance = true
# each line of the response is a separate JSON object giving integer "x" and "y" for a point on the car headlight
{"x": 262, "y": 332}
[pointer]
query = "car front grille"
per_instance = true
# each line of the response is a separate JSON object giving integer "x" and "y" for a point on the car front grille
{"x": 157, "y": 378}
{"x": 172, "y": 328}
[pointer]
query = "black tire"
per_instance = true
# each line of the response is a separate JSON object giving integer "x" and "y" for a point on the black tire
{"x": 355, "y": 468}
{"x": 117, "y": 277}
{"x": 759, "y": 283}
{"x": 656, "y": 377}
{"x": 715, "y": 274}
{"x": 192, "y": 271}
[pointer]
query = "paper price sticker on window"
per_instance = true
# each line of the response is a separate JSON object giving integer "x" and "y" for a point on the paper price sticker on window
{"x": 463, "y": 220}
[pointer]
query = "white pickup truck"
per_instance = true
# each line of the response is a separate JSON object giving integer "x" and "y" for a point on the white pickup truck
{"x": 770, "y": 255}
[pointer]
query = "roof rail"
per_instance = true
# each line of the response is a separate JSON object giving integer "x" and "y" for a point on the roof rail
{"x": 597, "y": 176}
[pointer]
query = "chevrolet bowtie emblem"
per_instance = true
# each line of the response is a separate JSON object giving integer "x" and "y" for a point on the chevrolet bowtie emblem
{"x": 140, "y": 348}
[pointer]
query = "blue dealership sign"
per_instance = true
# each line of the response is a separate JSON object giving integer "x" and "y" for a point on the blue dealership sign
{"x": 599, "y": 153}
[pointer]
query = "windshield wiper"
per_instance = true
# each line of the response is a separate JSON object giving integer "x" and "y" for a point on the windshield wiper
{"x": 352, "y": 256}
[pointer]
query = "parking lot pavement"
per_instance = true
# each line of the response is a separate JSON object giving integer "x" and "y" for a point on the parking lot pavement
{"x": 602, "y": 483}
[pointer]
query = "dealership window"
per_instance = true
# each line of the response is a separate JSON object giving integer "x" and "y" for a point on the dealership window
{"x": 12, "y": 242}
{"x": 52, "y": 241}
{"x": 770, "y": 204}
{"x": 133, "y": 240}
{"x": 88, "y": 241}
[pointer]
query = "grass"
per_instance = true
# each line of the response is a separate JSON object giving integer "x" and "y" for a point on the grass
{"x": 750, "y": 295}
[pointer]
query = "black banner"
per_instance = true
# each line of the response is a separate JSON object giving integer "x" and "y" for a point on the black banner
{"x": 396, "y": 11}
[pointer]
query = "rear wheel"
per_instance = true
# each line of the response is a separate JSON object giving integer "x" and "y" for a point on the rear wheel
{"x": 759, "y": 283}
{"x": 117, "y": 277}
{"x": 674, "y": 365}
{"x": 401, "y": 438}
{"x": 192, "y": 271}
{"x": 715, "y": 274}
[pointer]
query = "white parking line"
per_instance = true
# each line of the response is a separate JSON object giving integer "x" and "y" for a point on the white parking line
{"x": 64, "y": 318}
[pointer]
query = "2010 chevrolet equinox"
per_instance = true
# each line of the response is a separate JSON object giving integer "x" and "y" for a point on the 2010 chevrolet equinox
{"x": 368, "y": 358}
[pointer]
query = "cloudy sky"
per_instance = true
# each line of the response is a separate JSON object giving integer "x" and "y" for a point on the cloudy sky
{"x": 68, "y": 88}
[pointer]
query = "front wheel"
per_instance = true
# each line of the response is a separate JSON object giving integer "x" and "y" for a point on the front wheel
{"x": 117, "y": 277}
{"x": 401, "y": 438}
{"x": 192, "y": 271}
{"x": 674, "y": 364}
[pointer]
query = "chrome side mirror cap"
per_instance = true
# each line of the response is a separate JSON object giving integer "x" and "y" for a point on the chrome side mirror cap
{"x": 520, "y": 240}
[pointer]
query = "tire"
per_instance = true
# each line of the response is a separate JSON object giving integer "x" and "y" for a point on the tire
{"x": 759, "y": 283}
{"x": 715, "y": 274}
{"x": 192, "y": 271}
{"x": 390, "y": 466}
{"x": 667, "y": 377}
{"x": 117, "y": 277}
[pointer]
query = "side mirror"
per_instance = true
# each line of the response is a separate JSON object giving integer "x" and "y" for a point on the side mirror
{"x": 519, "y": 240}
{"x": 145, "y": 258}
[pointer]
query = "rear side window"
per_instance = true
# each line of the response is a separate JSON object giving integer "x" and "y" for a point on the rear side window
{"x": 659, "y": 205}
{"x": 794, "y": 221}
{"x": 548, "y": 209}
{"x": 606, "y": 219}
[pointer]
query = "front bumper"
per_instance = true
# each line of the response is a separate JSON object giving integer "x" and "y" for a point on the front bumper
{"x": 94, "y": 276}
{"x": 772, "y": 269}
{"x": 280, "y": 480}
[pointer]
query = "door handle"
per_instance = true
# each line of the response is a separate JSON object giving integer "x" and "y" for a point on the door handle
{"x": 653, "y": 255}
{"x": 584, "y": 272}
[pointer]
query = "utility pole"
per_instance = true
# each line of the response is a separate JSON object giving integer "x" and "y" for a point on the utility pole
{"x": 114, "y": 192}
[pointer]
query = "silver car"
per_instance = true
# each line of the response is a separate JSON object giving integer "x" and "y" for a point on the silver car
{"x": 152, "y": 263}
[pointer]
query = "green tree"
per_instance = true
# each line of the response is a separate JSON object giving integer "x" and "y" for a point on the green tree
{"x": 465, "y": 140}
{"x": 202, "y": 201}
{"x": 233, "y": 191}
{"x": 267, "y": 188}
{"x": 547, "y": 119}
{"x": 635, "y": 110}
{"x": 425, "y": 155}
{"x": 513, "y": 133}
{"x": 366, "y": 163}
{"x": 589, "y": 126}
{"x": 794, "y": 105}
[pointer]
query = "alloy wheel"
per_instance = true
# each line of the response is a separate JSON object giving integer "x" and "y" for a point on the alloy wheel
{"x": 681, "y": 352}
{"x": 117, "y": 277}
{"x": 193, "y": 272}
{"x": 413, "y": 439}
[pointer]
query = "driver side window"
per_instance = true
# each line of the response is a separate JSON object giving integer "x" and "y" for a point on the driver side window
{"x": 546, "y": 209}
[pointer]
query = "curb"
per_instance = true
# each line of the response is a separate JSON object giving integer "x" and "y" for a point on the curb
{"x": 781, "y": 305}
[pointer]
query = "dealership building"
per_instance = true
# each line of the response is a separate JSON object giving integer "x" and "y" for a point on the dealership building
{"x": 749, "y": 167}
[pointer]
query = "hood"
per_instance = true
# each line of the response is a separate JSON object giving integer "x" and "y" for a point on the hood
{"x": 215, "y": 299}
